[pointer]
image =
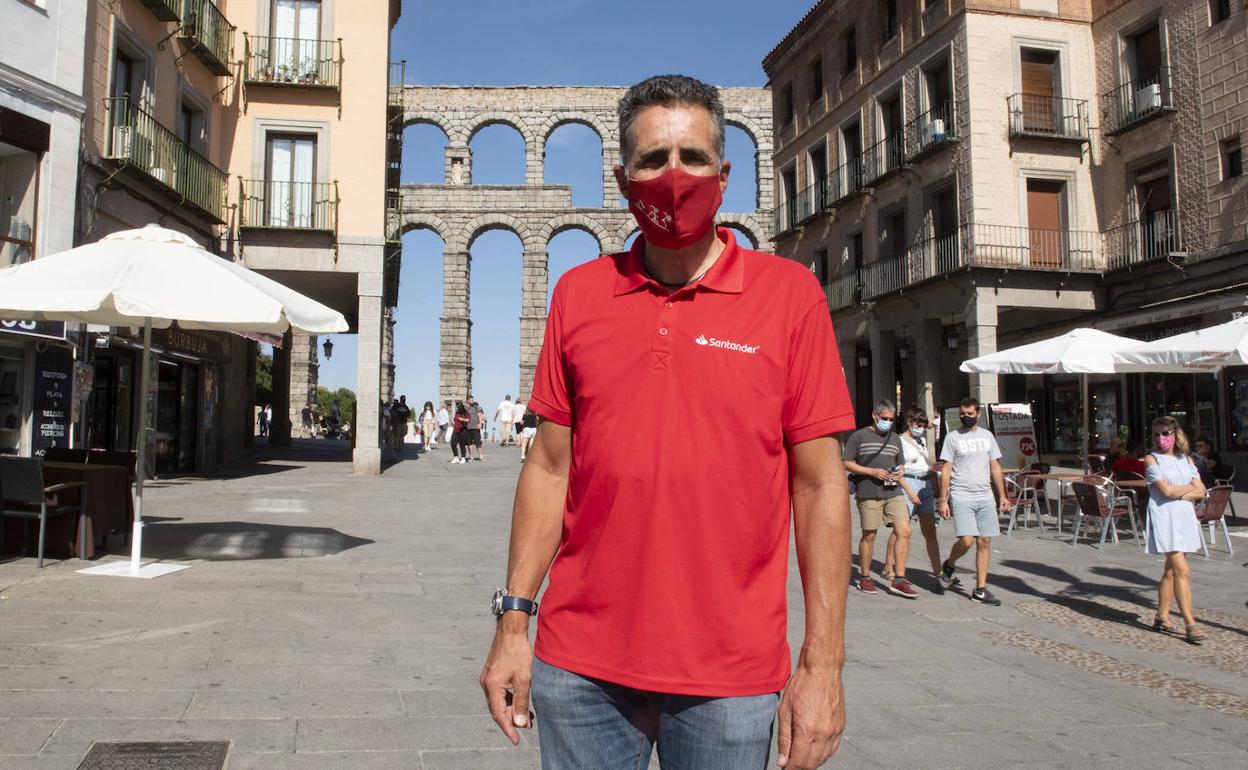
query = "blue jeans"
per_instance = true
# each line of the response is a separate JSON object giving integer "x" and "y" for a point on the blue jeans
{"x": 588, "y": 724}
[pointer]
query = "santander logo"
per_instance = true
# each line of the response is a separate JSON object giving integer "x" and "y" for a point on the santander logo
{"x": 711, "y": 342}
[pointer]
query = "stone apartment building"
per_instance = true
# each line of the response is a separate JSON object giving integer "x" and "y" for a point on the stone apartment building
{"x": 969, "y": 175}
{"x": 237, "y": 123}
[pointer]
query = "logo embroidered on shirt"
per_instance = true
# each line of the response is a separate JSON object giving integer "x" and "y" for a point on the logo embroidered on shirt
{"x": 702, "y": 339}
{"x": 654, "y": 214}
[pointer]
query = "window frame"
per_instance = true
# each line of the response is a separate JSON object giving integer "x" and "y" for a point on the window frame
{"x": 851, "y": 62}
{"x": 818, "y": 86}
{"x": 30, "y": 245}
{"x": 1231, "y": 155}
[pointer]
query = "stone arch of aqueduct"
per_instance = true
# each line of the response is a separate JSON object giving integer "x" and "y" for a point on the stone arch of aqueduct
{"x": 459, "y": 211}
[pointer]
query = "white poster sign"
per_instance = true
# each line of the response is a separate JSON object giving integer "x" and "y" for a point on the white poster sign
{"x": 1016, "y": 434}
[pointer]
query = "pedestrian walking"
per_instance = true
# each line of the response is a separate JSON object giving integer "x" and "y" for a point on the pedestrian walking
{"x": 305, "y": 422}
{"x": 874, "y": 456}
{"x": 473, "y": 439}
{"x": 262, "y": 421}
{"x": 528, "y": 431}
{"x": 444, "y": 421}
{"x": 401, "y": 414}
{"x": 920, "y": 498}
{"x": 427, "y": 422}
{"x": 503, "y": 421}
{"x": 459, "y": 434}
{"x": 664, "y": 622}
{"x": 518, "y": 410}
{"x": 971, "y": 473}
{"x": 1173, "y": 486}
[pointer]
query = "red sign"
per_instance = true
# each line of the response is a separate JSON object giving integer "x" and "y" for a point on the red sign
{"x": 1027, "y": 445}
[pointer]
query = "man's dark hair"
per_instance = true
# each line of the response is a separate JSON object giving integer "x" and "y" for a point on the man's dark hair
{"x": 970, "y": 401}
{"x": 669, "y": 89}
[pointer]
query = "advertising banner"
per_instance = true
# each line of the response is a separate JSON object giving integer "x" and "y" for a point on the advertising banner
{"x": 54, "y": 379}
{"x": 1016, "y": 434}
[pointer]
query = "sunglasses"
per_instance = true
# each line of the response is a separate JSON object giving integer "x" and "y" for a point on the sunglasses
{"x": 1159, "y": 434}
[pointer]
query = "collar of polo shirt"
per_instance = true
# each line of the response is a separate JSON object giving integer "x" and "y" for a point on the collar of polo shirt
{"x": 727, "y": 275}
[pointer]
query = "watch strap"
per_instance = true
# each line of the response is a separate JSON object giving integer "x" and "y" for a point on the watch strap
{"x": 526, "y": 606}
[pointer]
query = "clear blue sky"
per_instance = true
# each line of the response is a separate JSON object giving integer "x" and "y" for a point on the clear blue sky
{"x": 544, "y": 42}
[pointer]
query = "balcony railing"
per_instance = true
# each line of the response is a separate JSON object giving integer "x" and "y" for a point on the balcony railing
{"x": 207, "y": 34}
{"x": 1155, "y": 236}
{"x": 282, "y": 205}
{"x": 920, "y": 261}
{"x": 165, "y": 10}
{"x": 932, "y": 130}
{"x": 394, "y": 218}
{"x": 1048, "y": 117}
{"x": 1138, "y": 100}
{"x": 845, "y": 290}
{"x": 850, "y": 179}
{"x": 884, "y": 158}
{"x": 284, "y": 61}
{"x": 801, "y": 207}
{"x": 398, "y": 79}
{"x": 1033, "y": 248}
{"x": 134, "y": 136}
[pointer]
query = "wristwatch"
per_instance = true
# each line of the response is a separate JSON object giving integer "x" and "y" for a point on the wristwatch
{"x": 504, "y": 603}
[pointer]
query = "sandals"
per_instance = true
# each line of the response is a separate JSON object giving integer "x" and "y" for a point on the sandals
{"x": 1164, "y": 626}
{"x": 888, "y": 575}
{"x": 1194, "y": 635}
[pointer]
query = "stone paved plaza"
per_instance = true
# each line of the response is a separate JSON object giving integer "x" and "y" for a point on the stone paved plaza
{"x": 332, "y": 621}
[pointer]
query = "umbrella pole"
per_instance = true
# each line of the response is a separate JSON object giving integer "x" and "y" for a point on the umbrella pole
{"x": 145, "y": 377}
{"x": 1085, "y": 434}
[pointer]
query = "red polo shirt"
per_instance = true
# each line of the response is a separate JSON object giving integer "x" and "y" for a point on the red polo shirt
{"x": 671, "y": 570}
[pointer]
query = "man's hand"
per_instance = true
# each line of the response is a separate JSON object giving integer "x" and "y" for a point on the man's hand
{"x": 811, "y": 717}
{"x": 1004, "y": 506}
{"x": 505, "y": 679}
{"x": 881, "y": 474}
{"x": 945, "y": 513}
{"x": 914, "y": 499}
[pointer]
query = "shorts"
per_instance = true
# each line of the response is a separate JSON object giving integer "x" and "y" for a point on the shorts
{"x": 927, "y": 503}
{"x": 528, "y": 432}
{"x": 975, "y": 516}
{"x": 473, "y": 437}
{"x": 875, "y": 513}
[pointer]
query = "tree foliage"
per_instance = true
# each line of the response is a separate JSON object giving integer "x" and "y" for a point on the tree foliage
{"x": 264, "y": 378}
{"x": 325, "y": 400}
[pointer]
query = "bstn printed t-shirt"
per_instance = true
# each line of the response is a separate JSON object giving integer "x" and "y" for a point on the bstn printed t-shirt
{"x": 971, "y": 453}
{"x": 671, "y": 570}
{"x": 870, "y": 449}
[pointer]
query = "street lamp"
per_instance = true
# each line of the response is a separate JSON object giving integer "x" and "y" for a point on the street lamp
{"x": 329, "y": 349}
{"x": 951, "y": 338}
{"x": 864, "y": 359}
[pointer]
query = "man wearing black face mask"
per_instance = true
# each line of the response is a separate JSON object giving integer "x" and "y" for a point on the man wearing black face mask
{"x": 663, "y": 624}
{"x": 972, "y": 470}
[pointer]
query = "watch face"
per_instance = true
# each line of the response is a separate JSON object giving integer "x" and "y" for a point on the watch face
{"x": 496, "y": 604}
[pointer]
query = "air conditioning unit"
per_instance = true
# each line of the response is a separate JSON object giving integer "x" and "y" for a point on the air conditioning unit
{"x": 1148, "y": 98}
{"x": 120, "y": 146}
{"x": 933, "y": 133}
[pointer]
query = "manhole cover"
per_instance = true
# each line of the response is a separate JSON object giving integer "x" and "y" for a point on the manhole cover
{"x": 175, "y": 755}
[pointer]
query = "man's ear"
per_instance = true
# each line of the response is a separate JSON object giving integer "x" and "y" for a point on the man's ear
{"x": 621, "y": 179}
{"x": 724, "y": 170}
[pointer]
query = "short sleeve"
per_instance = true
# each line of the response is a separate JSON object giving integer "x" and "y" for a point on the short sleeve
{"x": 850, "y": 451}
{"x": 996, "y": 449}
{"x": 946, "y": 450}
{"x": 816, "y": 400}
{"x": 551, "y": 397}
{"x": 1193, "y": 471}
{"x": 1152, "y": 472}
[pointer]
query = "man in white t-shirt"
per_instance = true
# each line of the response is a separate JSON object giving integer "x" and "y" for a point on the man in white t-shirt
{"x": 502, "y": 418}
{"x": 444, "y": 422}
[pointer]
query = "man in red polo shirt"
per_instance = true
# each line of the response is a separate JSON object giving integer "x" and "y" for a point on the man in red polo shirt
{"x": 688, "y": 391}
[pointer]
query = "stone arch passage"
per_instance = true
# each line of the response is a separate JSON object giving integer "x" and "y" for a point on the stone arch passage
{"x": 536, "y": 211}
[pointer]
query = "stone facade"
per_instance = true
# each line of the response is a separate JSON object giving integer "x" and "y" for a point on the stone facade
{"x": 458, "y": 211}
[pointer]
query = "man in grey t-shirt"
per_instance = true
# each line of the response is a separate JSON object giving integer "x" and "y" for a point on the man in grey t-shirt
{"x": 972, "y": 470}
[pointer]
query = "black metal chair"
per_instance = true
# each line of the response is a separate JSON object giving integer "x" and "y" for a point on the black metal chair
{"x": 24, "y": 496}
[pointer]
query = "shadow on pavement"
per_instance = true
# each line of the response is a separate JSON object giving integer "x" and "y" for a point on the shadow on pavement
{"x": 242, "y": 541}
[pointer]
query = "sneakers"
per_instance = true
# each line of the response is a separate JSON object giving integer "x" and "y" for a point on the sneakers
{"x": 867, "y": 586}
{"x": 984, "y": 596}
{"x": 902, "y": 587}
{"x": 946, "y": 577}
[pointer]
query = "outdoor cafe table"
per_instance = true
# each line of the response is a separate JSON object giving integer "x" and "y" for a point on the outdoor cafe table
{"x": 1062, "y": 479}
{"x": 106, "y": 496}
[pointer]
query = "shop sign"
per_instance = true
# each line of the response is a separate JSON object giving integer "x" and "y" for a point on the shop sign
{"x": 50, "y": 329}
{"x": 182, "y": 341}
{"x": 1015, "y": 432}
{"x": 54, "y": 383}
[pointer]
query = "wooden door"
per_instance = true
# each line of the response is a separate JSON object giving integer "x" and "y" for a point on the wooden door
{"x": 1044, "y": 221}
{"x": 1039, "y": 70}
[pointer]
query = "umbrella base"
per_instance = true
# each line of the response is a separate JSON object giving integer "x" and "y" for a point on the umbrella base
{"x": 152, "y": 569}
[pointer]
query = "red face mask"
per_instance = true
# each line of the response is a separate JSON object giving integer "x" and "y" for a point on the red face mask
{"x": 676, "y": 208}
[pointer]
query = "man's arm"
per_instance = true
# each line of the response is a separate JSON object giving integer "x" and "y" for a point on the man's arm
{"x": 863, "y": 470}
{"x": 812, "y": 710}
{"x": 998, "y": 481}
{"x": 536, "y": 527}
{"x": 946, "y": 472}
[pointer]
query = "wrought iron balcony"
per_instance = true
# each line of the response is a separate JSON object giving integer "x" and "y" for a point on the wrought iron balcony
{"x": 135, "y": 138}
{"x": 1033, "y": 248}
{"x": 285, "y": 61}
{"x": 919, "y": 262}
{"x": 394, "y": 218}
{"x": 849, "y": 179}
{"x": 165, "y": 10}
{"x": 845, "y": 290}
{"x": 1137, "y": 101}
{"x": 1041, "y": 116}
{"x": 931, "y": 131}
{"x": 398, "y": 79}
{"x": 801, "y": 207}
{"x": 208, "y": 34}
{"x": 281, "y": 205}
{"x": 1154, "y": 236}
{"x": 884, "y": 158}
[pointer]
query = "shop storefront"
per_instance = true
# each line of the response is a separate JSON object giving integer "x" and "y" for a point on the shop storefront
{"x": 36, "y": 387}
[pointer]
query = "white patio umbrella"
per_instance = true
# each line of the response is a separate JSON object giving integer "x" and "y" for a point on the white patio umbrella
{"x": 1079, "y": 351}
{"x": 152, "y": 277}
{"x": 1203, "y": 350}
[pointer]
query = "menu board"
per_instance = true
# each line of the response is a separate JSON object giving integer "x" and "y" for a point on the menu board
{"x": 52, "y": 402}
{"x": 1016, "y": 434}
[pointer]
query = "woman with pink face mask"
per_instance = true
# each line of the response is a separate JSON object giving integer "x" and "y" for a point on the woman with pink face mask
{"x": 1173, "y": 486}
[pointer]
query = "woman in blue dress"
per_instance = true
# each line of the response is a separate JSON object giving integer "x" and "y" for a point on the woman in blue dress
{"x": 1173, "y": 486}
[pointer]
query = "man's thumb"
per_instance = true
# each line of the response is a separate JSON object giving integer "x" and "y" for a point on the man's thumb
{"x": 520, "y": 704}
{"x": 784, "y": 739}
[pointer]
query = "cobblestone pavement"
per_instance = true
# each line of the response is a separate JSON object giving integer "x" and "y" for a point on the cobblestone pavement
{"x": 332, "y": 621}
